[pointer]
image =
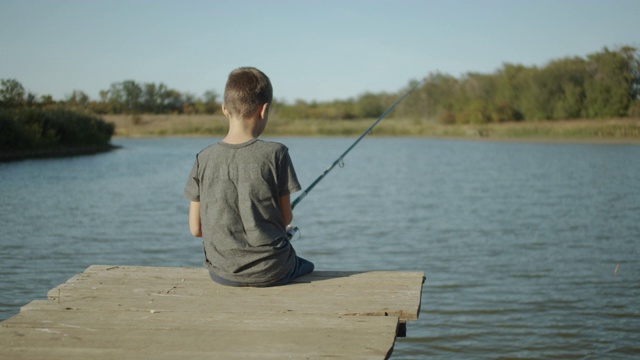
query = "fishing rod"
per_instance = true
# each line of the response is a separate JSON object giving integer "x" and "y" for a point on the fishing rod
{"x": 292, "y": 230}
{"x": 340, "y": 159}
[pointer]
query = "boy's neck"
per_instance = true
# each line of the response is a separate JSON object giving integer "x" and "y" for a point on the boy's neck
{"x": 237, "y": 140}
{"x": 241, "y": 131}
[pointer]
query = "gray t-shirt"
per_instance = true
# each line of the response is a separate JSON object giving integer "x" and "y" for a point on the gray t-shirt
{"x": 239, "y": 188}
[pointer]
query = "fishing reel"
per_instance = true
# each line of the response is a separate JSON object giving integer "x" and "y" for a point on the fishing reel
{"x": 293, "y": 233}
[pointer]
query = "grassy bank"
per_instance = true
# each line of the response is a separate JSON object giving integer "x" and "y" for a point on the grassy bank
{"x": 612, "y": 130}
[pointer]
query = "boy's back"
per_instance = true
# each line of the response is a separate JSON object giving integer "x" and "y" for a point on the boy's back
{"x": 238, "y": 187}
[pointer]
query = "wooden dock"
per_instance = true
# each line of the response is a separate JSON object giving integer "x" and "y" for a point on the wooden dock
{"x": 131, "y": 312}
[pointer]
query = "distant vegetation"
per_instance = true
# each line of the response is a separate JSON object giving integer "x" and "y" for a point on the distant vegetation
{"x": 35, "y": 129}
{"x": 602, "y": 86}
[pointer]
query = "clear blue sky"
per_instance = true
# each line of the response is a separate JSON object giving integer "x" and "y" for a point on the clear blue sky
{"x": 312, "y": 50}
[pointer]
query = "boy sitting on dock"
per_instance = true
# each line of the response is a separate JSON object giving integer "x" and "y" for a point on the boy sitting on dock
{"x": 240, "y": 189}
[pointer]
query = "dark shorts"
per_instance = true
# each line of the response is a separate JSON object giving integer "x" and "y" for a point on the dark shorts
{"x": 302, "y": 267}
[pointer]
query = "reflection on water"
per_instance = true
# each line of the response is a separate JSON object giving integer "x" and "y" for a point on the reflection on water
{"x": 530, "y": 250}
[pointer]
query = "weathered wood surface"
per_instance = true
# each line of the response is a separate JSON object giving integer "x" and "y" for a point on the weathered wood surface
{"x": 127, "y": 312}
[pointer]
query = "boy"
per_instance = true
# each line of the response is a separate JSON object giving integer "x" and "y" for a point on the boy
{"x": 240, "y": 189}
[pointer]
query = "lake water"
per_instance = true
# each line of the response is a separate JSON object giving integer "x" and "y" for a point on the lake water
{"x": 529, "y": 250}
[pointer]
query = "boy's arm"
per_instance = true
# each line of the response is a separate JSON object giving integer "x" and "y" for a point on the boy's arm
{"x": 194, "y": 219}
{"x": 285, "y": 209}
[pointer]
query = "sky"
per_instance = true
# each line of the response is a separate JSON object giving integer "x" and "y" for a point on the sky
{"x": 313, "y": 50}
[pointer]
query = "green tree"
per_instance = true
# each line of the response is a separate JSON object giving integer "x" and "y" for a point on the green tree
{"x": 632, "y": 71}
{"x": 116, "y": 98}
{"x": 209, "y": 103}
{"x": 369, "y": 105}
{"x": 433, "y": 100}
{"x": 78, "y": 99}
{"x": 440, "y": 97}
{"x": 512, "y": 84}
{"x": 132, "y": 96}
{"x": 151, "y": 98}
{"x": 47, "y": 101}
{"x": 474, "y": 98}
{"x": 609, "y": 87}
{"x": 188, "y": 103}
{"x": 171, "y": 101}
{"x": 572, "y": 74}
{"x": 102, "y": 106}
{"x": 12, "y": 93}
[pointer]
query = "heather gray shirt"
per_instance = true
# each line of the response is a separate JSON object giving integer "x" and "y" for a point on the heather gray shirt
{"x": 239, "y": 189}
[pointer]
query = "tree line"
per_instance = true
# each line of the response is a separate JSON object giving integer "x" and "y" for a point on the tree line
{"x": 125, "y": 97}
{"x": 604, "y": 84}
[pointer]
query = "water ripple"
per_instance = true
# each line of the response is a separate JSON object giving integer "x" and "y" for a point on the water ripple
{"x": 530, "y": 250}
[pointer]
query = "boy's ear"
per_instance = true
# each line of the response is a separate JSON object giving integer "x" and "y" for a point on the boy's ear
{"x": 225, "y": 111}
{"x": 264, "y": 110}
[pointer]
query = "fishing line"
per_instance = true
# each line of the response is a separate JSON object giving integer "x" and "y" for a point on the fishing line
{"x": 340, "y": 160}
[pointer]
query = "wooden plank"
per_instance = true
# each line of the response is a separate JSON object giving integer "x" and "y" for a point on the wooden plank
{"x": 92, "y": 320}
{"x": 150, "y": 344}
{"x": 139, "y": 335}
{"x": 377, "y": 293}
{"x": 130, "y": 312}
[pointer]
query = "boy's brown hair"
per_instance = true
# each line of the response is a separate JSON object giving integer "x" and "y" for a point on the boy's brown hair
{"x": 247, "y": 89}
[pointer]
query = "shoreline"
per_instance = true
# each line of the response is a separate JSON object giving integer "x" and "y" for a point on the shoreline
{"x": 598, "y": 132}
{"x": 55, "y": 153}
{"x": 605, "y": 131}
{"x": 621, "y": 130}
{"x": 266, "y": 135}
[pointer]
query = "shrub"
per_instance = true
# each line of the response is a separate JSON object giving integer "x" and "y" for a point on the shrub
{"x": 29, "y": 129}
